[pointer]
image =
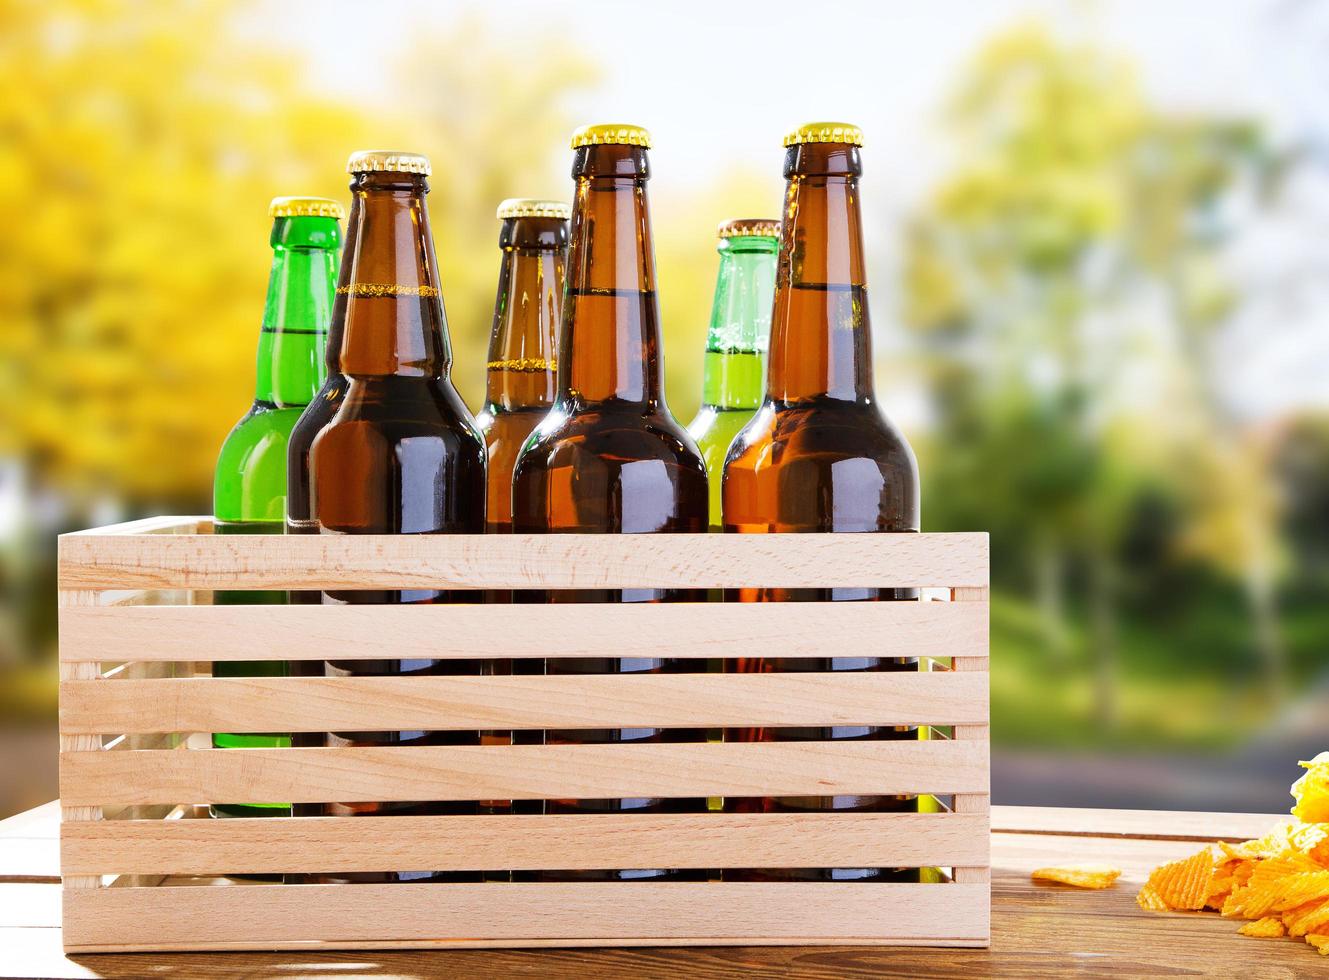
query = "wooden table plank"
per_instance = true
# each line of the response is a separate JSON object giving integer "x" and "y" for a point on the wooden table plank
{"x": 1038, "y": 930}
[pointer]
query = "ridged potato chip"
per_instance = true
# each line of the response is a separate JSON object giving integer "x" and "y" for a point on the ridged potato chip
{"x": 1320, "y": 942}
{"x": 1270, "y": 927}
{"x": 1080, "y": 875}
{"x": 1185, "y": 884}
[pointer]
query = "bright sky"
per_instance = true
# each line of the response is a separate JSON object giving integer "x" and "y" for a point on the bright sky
{"x": 737, "y": 75}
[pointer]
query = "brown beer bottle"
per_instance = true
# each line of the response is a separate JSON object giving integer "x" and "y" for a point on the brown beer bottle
{"x": 610, "y": 458}
{"x": 401, "y": 454}
{"x": 520, "y": 378}
{"x": 520, "y": 382}
{"x": 819, "y": 455}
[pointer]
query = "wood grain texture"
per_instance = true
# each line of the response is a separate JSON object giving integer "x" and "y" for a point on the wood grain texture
{"x": 677, "y": 630}
{"x": 520, "y": 772}
{"x": 702, "y": 840}
{"x": 1169, "y": 825}
{"x": 79, "y": 744}
{"x": 629, "y": 913}
{"x": 970, "y": 732}
{"x": 501, "y": 561}
{"x": 341, "y": 704}
{"x": 1038, "y": 930}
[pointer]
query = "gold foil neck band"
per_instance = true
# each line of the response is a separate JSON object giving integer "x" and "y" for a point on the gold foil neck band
{"x": 385, "y": 289}
{"x": 529, "y": 365}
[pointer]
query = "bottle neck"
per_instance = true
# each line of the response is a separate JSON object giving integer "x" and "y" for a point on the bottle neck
{"x": 392, "y": 320}
{"x": 522, "y": 365}
{"x": 297, "y": 310}
{"x": 740, "y": 323}
{"x": 821, "y": 343}
{"x": 610, "y": 341}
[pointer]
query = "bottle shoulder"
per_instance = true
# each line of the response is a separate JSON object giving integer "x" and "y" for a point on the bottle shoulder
{"x": 614, "y": 435}
{"x": 830, "y": 430}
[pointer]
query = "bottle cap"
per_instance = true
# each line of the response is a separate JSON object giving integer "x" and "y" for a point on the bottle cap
{"x": 388, "y": 161}
{"x": 305, "y": 207}
{"x": 825, "y": 132}
{"x": 622, "y": 134}
{"x": 749, "y": 228}
{"x": 530, "y": 207}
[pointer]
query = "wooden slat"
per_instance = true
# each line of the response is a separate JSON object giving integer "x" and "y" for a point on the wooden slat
{"x": 679, "y": 630}
{"x": 1169, "y": 825}
{"x": 340, "y": 704}
{"x": 151, "y": 525}
{"x": 621, "y": 912}
{"x": 701, "y": 840}
{"x": 501, "y": 561}
{"x": 446, "y": 772}
{"x": 973, "y": 732}
{"x": 79, "y": 744}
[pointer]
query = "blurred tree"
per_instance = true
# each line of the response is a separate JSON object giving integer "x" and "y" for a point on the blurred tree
{"x": 1030, "y": 279}
{"x": 141, "y": 151}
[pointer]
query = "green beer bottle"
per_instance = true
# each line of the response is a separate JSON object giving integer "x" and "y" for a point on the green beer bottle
{"x": 734, "y": 370}
{"x": 249, "y": 489}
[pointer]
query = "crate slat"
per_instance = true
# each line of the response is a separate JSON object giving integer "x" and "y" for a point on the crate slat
{"x": 683, "y": 630}
{"x": 469, "y": 772}
{"x": 521, "y": 561}
{"x": 442, "y": 703}
{"x": 613, "y": 912}
{"x": 699, "y": 840}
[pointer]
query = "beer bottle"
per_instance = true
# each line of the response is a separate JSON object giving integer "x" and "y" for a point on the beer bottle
{"x": 249, "y": 490}
{"x": 401, "y": 454}
{"x": 731, "y": 386}
{"x": 520, "y": 376}
{"x": 819, "y": 455}
{"x": 610, "y": 458}
{"x": 520, "y": 379}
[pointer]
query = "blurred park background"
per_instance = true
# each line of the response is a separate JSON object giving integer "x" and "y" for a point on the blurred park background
{"x": 1098, "y": 273}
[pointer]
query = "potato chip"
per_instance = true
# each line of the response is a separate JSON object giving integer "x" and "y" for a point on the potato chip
{"x": 1184, "y": 884}
{"x": 1270, "y": 927}
{"x": 1320, "y": 852}
{"x": 1311, "y": 791}
{"x": 1320, "y": 942}
{"x": 1150, "y": 900}
{"x": 1080, "y": 875}
{"x": 1311, "y": 917}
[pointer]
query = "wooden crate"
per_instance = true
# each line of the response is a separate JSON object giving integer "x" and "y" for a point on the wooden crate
{"x": 137, "y": 637}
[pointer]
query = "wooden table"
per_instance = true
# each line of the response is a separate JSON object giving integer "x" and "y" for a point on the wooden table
{"x": 1037, "y": 930}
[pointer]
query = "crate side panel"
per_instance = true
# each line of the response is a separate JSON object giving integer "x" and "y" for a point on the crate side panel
{"x": 438, "y": 703}
{"x": 400, "y": 773}
{"x": 500, "y": 561}
{"x": 549, "y": 842}
{"x": 678, "y": 630}
{"x": 236, "y": 917}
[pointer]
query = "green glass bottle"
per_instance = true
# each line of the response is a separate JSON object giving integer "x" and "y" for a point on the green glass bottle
{"x": 249, "y": 489}
{"x": 734, "y": 372}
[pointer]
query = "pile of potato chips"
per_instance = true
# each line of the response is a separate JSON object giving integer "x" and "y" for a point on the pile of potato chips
{"x": 1279, "y": 882}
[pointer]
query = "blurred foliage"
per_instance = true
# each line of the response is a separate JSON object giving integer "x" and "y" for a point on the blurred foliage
{"x": 1068, "y": 285}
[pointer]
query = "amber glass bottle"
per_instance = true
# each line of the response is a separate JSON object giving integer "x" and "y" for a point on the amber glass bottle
{"x": 520, "y": 382}
{"x": 521, "y": 375}
{"x": 401, "y": 454}
{"x": 819, "y": 455}
{"x": 610, "y": 458}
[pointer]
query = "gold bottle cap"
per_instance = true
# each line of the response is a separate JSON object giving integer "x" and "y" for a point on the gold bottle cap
{"x": 305, "y": 207}
{"x": 749, "y": 228}
{"x": 622, "y": 134}
{"x": 530, "y": 207}
{"x": 388, "y": 161}
{"x": 825, "y": 132}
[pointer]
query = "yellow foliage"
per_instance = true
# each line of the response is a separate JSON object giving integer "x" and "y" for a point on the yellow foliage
{"x": 143, "y": 144}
